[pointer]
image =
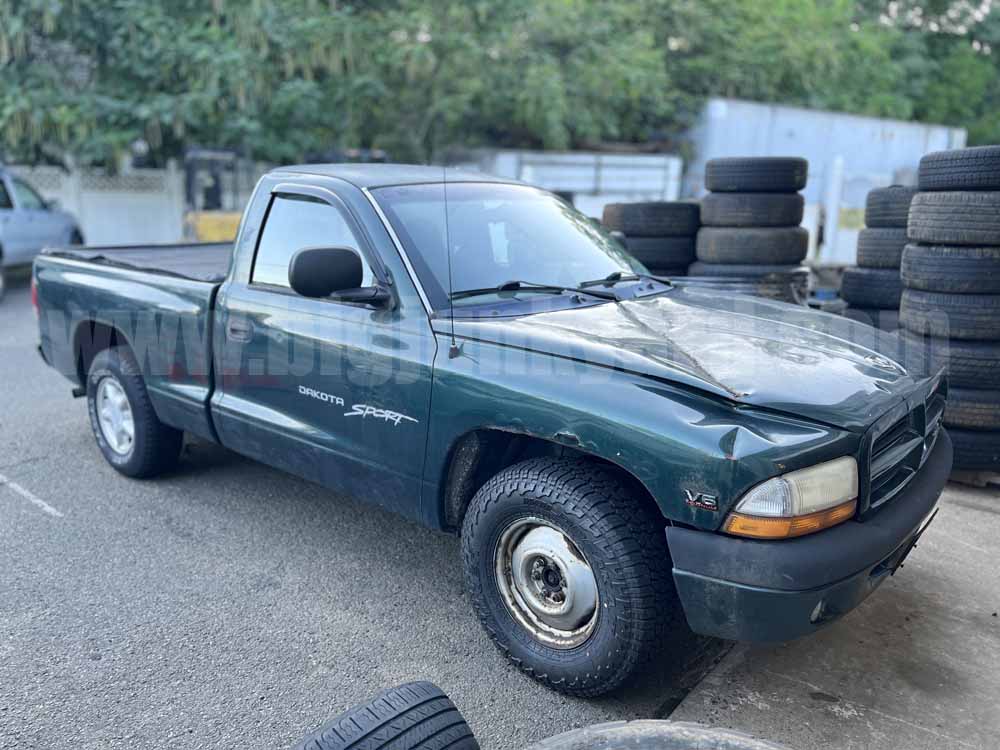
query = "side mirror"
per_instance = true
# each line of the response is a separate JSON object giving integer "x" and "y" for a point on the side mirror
{"x": 334, "y": 272}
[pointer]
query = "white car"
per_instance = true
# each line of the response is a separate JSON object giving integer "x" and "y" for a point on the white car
{"x": 28, "y": 223}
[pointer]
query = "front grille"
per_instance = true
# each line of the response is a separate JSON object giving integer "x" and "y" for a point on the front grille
{"x": 899, "y": 445}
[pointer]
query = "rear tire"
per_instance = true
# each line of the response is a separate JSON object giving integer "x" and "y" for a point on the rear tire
{"x": 414, "y": 716}
{"x": 152, "y": 447}
{"x": 629, "y": 594}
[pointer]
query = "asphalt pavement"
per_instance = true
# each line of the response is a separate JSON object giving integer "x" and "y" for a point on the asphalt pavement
{"x": 229, "y": 604}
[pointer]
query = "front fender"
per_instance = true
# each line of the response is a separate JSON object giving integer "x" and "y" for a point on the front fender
{"x": 684, "y": 446}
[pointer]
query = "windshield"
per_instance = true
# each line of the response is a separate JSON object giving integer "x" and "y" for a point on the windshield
{"x": 498, "y": 233}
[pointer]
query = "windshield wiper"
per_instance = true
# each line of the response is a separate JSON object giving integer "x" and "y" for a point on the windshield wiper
{"x": 615, "y": 276}
{"x": 513, "y": 286}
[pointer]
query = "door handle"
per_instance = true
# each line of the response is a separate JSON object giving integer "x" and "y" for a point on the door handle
{"x": 239, "y": 330}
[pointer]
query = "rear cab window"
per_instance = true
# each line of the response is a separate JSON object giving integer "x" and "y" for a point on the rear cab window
{"x": 295, "y": 222}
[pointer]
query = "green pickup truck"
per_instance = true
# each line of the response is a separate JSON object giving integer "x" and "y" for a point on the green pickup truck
{"x": 619, "y": 452}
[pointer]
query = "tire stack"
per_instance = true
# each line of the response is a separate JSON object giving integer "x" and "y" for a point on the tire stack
{"x": 951, "y": 296}
{"x": 750, "y": 235}
{"x": 873, "y": 288}
{"x": 659, "y": 234}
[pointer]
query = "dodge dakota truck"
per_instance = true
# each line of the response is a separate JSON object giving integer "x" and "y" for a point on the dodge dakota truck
{"x": 620, "y": 453}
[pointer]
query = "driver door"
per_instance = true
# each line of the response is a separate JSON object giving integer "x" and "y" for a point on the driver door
{"x": 335, "y": 392}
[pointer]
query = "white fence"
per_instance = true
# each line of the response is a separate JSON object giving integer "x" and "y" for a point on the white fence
{"x": 135, "y": 207}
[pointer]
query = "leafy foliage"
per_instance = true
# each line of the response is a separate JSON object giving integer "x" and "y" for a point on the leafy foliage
{"x": 88, "y": 78}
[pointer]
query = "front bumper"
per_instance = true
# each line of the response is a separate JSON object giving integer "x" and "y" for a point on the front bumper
{"x": 748, "y": 590}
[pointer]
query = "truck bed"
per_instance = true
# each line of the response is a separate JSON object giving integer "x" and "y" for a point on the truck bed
{"x": 199, "y": 261}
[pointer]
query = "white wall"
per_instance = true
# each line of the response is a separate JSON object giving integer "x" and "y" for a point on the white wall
{"x": 136, "y": 207}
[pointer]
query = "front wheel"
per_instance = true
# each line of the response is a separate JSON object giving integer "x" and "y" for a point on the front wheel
{"x": 128, "y": 432}
{"x": 569, "y": 573}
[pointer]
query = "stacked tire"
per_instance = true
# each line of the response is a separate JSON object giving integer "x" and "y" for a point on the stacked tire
{"x": 659, "y": 234}
{"x": 873, "y": 288}
{"x": 951, "y": 296}
{"x": 750, "y": 231}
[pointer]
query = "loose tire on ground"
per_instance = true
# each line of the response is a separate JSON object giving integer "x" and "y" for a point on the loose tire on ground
{"x": 878, "y": 288}
{"x": 650, "y": 734}
{"x": 618, "y": 536}
{"x": 975, "y": 450}
{"x": 959, "y": 218}
{"x": 881, "y": 248}
{"x": 946, "y": 315}
{"x": 414, "y": 716}
{"x": 752, "y": 209}
{"x": 652, "y": 219}
{"x": 973, "y": 409}
{"x": 955, "y": 268}
{"x": 155, "y": 447}
{"x": 975, "y": 168}
{"x": 888, "y": 207}
{"x": 771, "y": 246}
{"x": 661, "y": 251}
{"x": 769, "y": 174}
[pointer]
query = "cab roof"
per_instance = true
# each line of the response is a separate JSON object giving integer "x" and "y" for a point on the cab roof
{"x": 383, "y": 175}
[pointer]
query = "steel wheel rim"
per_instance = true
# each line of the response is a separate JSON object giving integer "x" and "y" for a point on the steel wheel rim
{"x": 114, "y": 415}
{"x": 546, "y": 583}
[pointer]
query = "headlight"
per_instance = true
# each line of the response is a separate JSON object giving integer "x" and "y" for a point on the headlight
{"x": 798, "y": 503}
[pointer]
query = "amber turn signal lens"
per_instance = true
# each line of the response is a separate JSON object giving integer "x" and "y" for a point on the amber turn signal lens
{"x": 760, "y": 527}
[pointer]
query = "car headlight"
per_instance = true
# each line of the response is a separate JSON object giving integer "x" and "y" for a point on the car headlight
{"x": 797, "y": 503}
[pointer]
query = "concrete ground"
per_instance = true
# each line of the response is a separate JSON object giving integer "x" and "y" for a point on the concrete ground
{"x": 229, "y": 604}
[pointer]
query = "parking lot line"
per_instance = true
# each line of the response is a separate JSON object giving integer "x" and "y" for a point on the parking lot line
{"x": 30, "y": 497}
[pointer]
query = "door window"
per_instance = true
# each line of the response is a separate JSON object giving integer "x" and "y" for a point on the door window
{"x": 294, "y": 223}
{"x": 26, "y": 196}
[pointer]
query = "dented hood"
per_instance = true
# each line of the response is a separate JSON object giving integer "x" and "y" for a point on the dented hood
{"x": 747, "y": 350}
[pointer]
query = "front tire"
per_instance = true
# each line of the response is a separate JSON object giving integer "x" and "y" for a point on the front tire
{"x": 569, "y": 573}
{"x": 128, "y": 432}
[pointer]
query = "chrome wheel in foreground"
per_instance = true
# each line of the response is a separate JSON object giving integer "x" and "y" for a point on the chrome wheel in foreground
{"x": 546, "y": 583}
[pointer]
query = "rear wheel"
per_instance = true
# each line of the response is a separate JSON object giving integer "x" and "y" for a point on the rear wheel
{"x": 128, "y": 432}
{"x": 569, "y": 573}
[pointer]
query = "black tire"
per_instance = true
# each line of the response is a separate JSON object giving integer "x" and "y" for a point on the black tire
{"x": 881, "y": 248}
{"x": 771, "y": 246}
{"x": 653, "y": 219}
{"x": 956, "y": 268}
{"x": 884, "y": 320}
{"x": 616, "y": 533}
{"x": 970, "y": 364}
{"x": 669, "y": 271}
{"x": 960, "y": 218}
{"x": 739, "y": 270}
{"x": 414, "y": 716}
{"x": 661, "y": 251}
{"x": 975, "y": 450}
{"x": 945, "y": 315}
{"x": 888, "y": 207}
{"x": 768, "y": 174}
{"x": 975, "y": 168}
{"x": 973, "y": 409}
{"x": 752, "y": 210}
{"x": 650, "y": 734}
{"x": 155, "y": 447}
{"x": 878, "y": 288}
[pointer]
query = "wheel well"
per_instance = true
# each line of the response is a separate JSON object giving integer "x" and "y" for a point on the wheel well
{"x": 92, "y": 338}
{"x": 481, "y": 454}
